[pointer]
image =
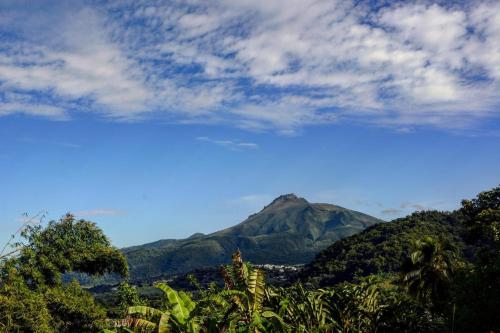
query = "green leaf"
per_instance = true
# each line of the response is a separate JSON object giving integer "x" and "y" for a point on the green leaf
{"x": 163, "y": 326}
{"x": 146, "y": 311}
{"x": 256, "y": 287}
{"x": 175, "y": 302}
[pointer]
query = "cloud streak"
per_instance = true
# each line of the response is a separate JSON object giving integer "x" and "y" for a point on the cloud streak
{"x": 100, "y": 212}
{"x": 260, "y": 65}
{"x": 230, "y": 144}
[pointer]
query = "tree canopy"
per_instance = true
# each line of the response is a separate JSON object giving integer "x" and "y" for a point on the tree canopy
{"x": 34, "y": 297}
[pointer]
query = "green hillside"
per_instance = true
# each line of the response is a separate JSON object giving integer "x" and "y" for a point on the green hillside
{"x": 290, "y": 230}
{"x": 381, "y": 248}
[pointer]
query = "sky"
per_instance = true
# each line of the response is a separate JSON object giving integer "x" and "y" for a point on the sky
{"x": 159, "y": 119}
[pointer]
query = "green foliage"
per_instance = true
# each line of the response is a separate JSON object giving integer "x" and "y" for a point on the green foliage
{"x": 73, "y": 310}
{"x": 477, "y": 288}
{"x": 33, "y": 294}
{"x": 179, "y": 305}
{"x": 427, "y": 273}
{"x": 175, "y": 317}
{"x": 381, "y": 248}
{"x": 127, "y": 296}
{"x": 245, "y": 290}
{"x": 246, "y": 304}
{"x": 378, "y": 304}
{"x": 482, "y": 219}
{"x": 305, "y": 311}
{"x": 21, "y": 309}
{"x": 237, "y": 308}
{"x": 66, "y": 246}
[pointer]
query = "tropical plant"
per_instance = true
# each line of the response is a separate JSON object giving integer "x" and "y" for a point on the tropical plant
{"x": 237, "y": 308}
{"x": 245, "y": 288}
{"x": 305, "y": 311}
{"x": 428, "y": 272}
{"x": 361, "y": 306}
{"x": 176, "y": 317}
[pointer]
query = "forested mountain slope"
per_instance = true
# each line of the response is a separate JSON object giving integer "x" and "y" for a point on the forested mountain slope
{"x": 290, "y": 230}
{"x": 381, "y": 248}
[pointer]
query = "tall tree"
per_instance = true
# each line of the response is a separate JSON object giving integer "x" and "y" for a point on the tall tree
{"x": 37, "y": 270}
{"x": 478, "y": 289}
{"x": 428, "y": 272}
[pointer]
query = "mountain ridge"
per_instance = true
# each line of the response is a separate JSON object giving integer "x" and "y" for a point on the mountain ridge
{"x": 289, "y": 230}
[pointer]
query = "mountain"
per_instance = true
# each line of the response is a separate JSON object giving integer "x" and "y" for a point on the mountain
{"x": 289, "y": 230}
{"x": 382, "y": 248}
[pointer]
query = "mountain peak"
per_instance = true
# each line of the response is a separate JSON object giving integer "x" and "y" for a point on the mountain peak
{"x": 286, "y": 199}
{"x": 289, "y": 230}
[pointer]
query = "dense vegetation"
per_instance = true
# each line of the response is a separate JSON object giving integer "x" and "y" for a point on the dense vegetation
{"x": 444, "y": 277}
{"x": 382, "y": 248}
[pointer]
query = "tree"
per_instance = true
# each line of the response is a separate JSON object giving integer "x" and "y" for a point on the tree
{"x": 377, "y": 303}
{"x": 428, "y": 273}
{"x": 477, "y": 290}
{"x": 127, "y": 296}
{"x": 66, "y": 246}
{"x": 22, "y": 309}
{"x": 44, "y": 255}
{"x": 482, "y": 219}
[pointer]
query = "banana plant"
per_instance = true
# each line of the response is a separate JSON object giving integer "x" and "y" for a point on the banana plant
{"x": 176, "y": 318}
{"x": 245, "y": 288}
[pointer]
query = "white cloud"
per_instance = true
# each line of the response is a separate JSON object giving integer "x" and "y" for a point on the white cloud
{"x": 431, "y": 27}
{"x": 414, "y": 206}
{"x": 483, "y": 48}
{"x": 99, "y": 212}
{"x": 255, "y": 201}
{"x": 235, "y": 145}
{"x": 266, "y": 64}
{"x": 84, "y": 63}
{"x": 42, "y": 110}
{"x": 391, "y": 212}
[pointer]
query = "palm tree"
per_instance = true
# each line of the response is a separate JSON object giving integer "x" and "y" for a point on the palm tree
{"x": 428, "y": 271}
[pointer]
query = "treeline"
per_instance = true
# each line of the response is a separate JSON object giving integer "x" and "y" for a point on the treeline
{"x": 429, "y": 272}
{"x": 383, "y": 248}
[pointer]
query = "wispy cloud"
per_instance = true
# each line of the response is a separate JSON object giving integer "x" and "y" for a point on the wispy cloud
{"x": 235, "y": 145}
{"x": 254, "y": 202}
{"x": 407, "y": 208}
{"x": 100, "y": 212}
{"x": 257, "y": 64}
{"x": 391, "y": 211}
{"x": 415, "y": 206}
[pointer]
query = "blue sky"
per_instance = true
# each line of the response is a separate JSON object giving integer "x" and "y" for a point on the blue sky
{"x": 161, "y": 119}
